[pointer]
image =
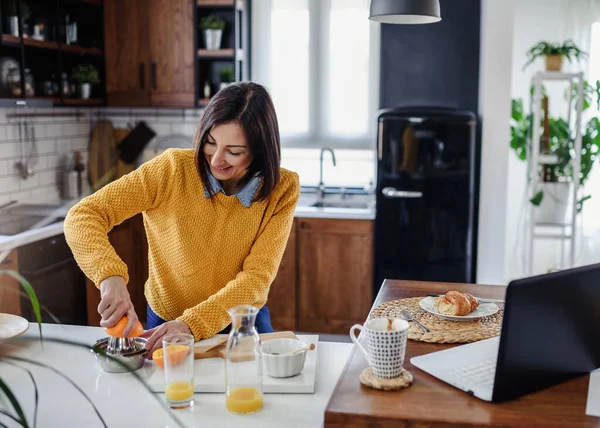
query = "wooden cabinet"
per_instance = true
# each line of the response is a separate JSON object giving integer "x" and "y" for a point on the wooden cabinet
{"x": 335, "y": 264}
{"x": 171, "y": 42}
{"x": 282, "y": 295}
{"x": 10, "y": 299}
{"x": 129, "y": 241}
{"x": 149, "y": 54}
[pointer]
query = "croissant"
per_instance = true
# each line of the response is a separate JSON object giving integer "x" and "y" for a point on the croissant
{"x": 456, "y": 303}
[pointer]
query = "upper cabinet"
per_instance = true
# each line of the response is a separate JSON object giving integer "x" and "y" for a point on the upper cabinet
{"x": 159, "y": 54}
{"x": 126, "y": 52}
{"x": 171, "y": 43}
{"x": 149, "y": 52}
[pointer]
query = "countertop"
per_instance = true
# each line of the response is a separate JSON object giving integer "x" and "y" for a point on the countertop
{"x": 123, "y": 401}
{"x": 350, "y": 207}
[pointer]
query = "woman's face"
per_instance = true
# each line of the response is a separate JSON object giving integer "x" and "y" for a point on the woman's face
{"x": 227, "y": 152}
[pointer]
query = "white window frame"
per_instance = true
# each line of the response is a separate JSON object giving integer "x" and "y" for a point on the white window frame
{"x": 318, "y": 39}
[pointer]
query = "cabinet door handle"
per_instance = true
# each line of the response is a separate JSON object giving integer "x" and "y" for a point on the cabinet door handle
{"x": 142, "y": 75}
{"x": 153, "y": 74}
{"x": 390, "y": 192}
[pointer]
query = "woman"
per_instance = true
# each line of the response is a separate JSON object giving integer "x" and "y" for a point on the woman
{"x": 217, "y": 219}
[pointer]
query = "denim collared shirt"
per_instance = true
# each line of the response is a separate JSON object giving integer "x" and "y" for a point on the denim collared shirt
{"x": 246, "y": 195}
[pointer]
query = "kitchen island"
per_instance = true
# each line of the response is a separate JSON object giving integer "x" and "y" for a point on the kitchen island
{"x": 123, "y": 401}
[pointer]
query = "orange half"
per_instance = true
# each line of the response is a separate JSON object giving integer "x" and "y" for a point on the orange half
{"x": 175, "y": 353}
{"x": 117, "y": 329}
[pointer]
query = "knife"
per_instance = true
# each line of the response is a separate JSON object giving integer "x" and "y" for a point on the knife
{"x": 481, "y": 300}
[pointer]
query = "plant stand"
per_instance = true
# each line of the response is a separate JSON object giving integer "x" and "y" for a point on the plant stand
{"x": 565, "y": 230}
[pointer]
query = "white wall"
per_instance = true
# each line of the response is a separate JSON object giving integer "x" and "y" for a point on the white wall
{"x": 494, "y": 106}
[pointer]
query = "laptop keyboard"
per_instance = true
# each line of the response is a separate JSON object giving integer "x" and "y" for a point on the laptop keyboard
{"x": 480, "y": 374}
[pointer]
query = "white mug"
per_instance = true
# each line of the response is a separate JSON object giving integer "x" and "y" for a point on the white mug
{"x": 386, "y": 343}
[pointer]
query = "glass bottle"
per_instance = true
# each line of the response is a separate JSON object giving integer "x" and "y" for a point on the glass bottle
{"x": 243, "y": 363}
{"x": 29, "y": 83}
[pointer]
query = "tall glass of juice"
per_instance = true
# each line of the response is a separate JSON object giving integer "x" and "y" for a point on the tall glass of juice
{"x": 178, "y": 355}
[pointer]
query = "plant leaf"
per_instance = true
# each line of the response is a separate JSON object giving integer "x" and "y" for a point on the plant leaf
{"x": 35, "y": 389}
{"x": 64, "y": 376}
{"x": 581, "y": 201}
{"x": 15, "y": 403}
{"x": 537, "y": 198}
{"x": 85, "y": 346}
{"x": 42, "y": 307}
{"x": 32, "y": 297}
{"x": 5, "y": 413}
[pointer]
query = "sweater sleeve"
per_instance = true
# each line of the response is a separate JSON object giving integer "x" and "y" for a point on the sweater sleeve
{"x": 251, "y": 285}
{"x": 87, "y": 223}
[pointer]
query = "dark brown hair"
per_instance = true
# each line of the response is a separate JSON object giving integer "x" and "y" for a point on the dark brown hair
{"x": 249, "y": 105}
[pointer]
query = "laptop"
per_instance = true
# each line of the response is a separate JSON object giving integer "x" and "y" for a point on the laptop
{"x": 550, "y": 334}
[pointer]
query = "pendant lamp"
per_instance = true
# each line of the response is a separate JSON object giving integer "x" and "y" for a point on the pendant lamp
{"x": 405, "y": 11}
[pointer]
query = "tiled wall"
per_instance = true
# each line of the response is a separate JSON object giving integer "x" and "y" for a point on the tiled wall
{"x": 56, "y": 138}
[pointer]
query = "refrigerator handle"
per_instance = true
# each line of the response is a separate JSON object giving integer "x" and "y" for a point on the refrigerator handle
{"x": 390, "y": 192}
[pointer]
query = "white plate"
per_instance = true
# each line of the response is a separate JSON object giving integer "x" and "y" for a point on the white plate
{"x": 483, "y": 310}
{"x": 12, "y": 326}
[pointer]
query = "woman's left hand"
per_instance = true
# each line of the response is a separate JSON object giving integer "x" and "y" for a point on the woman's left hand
{"x": 155, "y": 335}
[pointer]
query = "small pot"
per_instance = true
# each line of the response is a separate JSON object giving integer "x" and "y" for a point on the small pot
{"x": 554, "y": 62}
{"x": 85, "y": 89}
{"x": 212, "y": 39}
{"x": 278, "y": 360}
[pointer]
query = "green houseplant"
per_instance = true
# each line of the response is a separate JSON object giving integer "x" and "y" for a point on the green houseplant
{"x": 561, "y": 142}
{"x": 85, "y": 75}
{"x": 227, "y": 76}
{"x": 554, "y": 54}
{"x": 213, "y": 27}
{"x": 10, "y": 406}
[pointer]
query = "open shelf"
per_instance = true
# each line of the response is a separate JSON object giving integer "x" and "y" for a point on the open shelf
{"x": 80, "y": 101}
{"x": 46, "y": 44}
{"x": 216, "y": 53}
{"x": 215, "y": 3}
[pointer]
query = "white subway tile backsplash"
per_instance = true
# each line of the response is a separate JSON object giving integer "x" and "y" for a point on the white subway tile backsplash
{"x": 10, "y": 183}
{"x": 9, "y": 150}
{"x": 55, "y": 130}
{"x": 43, "y": 147}
{"x": 78, "y": 144}
{"x": 161, "y": 128}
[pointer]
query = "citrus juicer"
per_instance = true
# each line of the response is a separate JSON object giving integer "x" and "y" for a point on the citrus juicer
{"x": 120, "y": 354}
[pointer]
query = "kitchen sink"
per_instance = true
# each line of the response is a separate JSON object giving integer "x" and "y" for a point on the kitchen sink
{"x": 356, "y": 205}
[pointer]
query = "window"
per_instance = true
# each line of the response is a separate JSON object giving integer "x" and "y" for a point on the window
{"x": 320, "y": 62}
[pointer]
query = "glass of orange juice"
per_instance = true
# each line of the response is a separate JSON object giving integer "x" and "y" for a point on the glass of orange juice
{"x": 178, "y": 355}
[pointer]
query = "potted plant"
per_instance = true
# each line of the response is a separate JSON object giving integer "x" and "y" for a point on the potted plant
{"x": 213, "y": 27}
{"x": 557, "y": 175}
{"x": 227, "y": 76}
{"x": 554, "y": 54}
{"x": 85, "y": 75}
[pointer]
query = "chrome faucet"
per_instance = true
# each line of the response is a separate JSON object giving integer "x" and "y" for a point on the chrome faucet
{"x": 321, "y": 187}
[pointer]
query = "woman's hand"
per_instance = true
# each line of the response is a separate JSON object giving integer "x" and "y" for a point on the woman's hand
{"x": 155, "y": 335}
{"x": 115, "y": 303}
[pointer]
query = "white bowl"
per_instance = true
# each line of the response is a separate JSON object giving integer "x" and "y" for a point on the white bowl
{"x": 279, "y": 365}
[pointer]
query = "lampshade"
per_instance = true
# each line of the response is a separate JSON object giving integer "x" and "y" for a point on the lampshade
{"x": 405, "y": 11}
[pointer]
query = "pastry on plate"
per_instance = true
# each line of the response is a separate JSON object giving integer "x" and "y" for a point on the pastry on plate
{"x": 456, "y": 303}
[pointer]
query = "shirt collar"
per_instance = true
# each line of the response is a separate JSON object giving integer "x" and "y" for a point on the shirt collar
{"x": 246, "y": 195}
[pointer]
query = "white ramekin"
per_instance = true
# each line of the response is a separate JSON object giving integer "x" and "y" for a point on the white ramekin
{"x": 283, "y": 365}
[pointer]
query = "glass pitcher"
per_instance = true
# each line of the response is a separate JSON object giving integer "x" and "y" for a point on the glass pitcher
{"x": 243, "y": 363}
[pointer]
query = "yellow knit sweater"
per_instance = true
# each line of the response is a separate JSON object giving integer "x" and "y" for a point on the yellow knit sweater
{"x": 203, "y": 258}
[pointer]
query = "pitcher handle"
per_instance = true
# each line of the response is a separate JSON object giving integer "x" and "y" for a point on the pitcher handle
{"x": 355, "y": 340}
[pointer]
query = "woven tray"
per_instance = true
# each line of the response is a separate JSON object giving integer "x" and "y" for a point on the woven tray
{"x": 441, "y": 330}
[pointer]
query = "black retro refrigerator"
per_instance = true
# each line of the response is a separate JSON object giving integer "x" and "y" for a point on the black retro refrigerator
{"x": 425, "y": 226}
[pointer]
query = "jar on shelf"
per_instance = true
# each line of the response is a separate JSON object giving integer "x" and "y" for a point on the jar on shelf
{"x": 14, "y": 82}
{"x": 29, "y": 83}
{"x": 65, "y": 86}
{"x": 243, "y": 362}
